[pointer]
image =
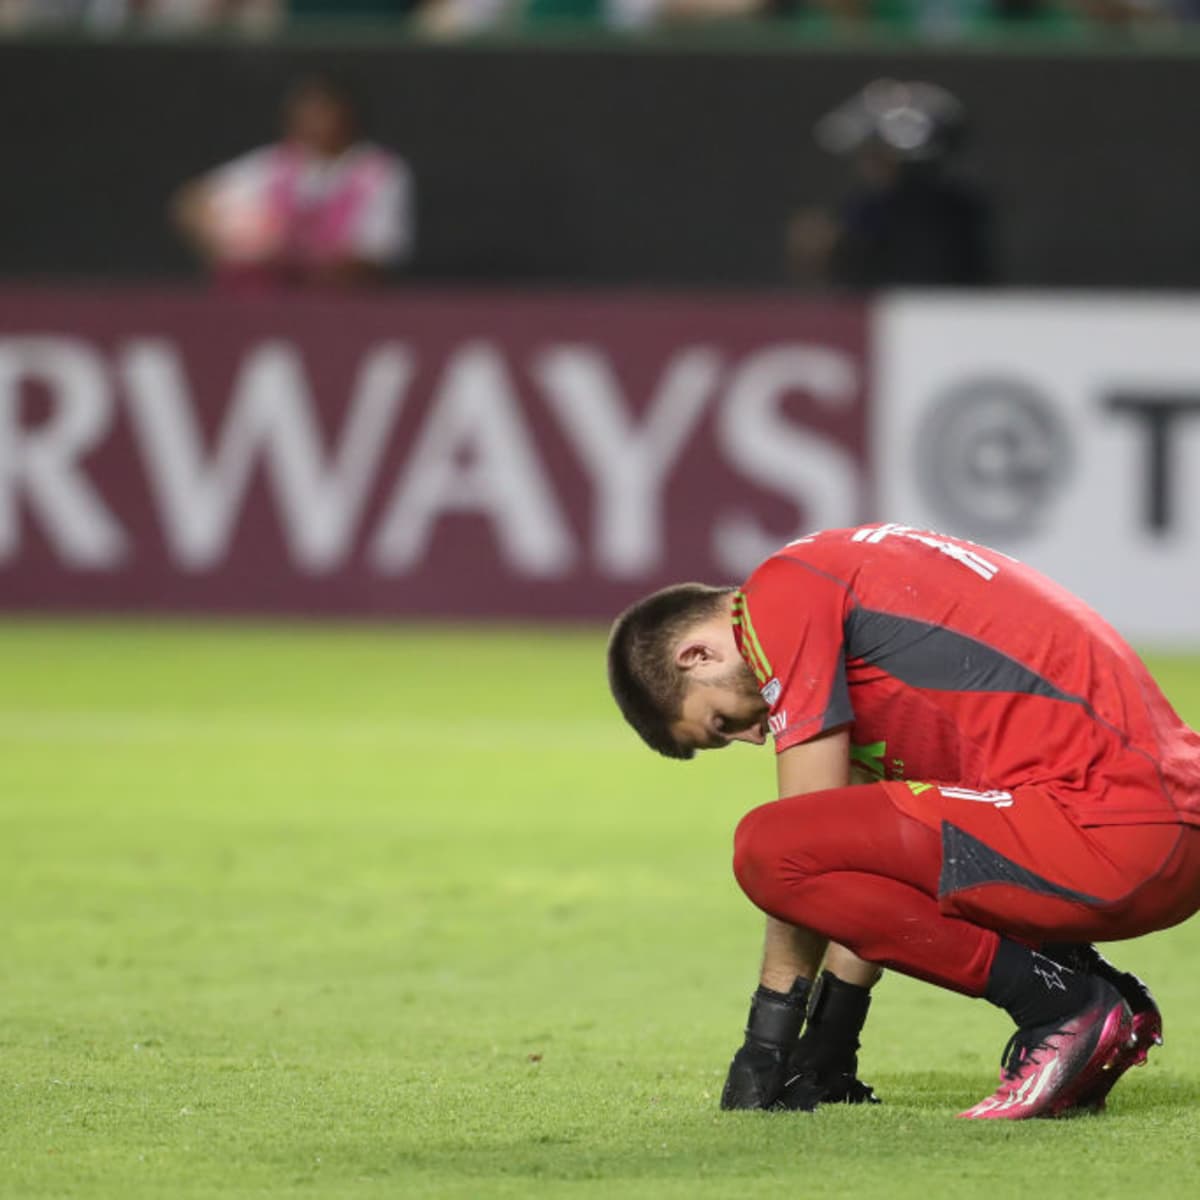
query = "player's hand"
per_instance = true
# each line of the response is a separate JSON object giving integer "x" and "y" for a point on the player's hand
{"x": 757, "y": 1077}
{"x": 777, "y": 1069}
{"x": 825, "y": 1059}
{"x": 761, "y": 1078}
{"x": 803, "y": 1092}
{"x": 762, "y": 1066}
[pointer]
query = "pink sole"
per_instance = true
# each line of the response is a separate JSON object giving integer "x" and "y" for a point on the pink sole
{"x": 1115, "y": 1049}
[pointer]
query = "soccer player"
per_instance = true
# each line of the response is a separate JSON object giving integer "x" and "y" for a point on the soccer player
{"x": 1034, "y": 793}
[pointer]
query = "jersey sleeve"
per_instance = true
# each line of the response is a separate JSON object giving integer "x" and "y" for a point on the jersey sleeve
{"x": 788, "y": 620}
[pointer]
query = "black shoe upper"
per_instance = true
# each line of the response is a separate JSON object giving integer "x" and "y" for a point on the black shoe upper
{"x": 1083, "y": 957}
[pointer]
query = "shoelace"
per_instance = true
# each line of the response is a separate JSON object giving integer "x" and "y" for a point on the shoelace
{"x": 1022, "y": 1046}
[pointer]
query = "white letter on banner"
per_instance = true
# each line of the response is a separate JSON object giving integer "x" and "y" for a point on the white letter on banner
{"x": 629, "y": 463}
{"x": 270, "y": 417}
{"x": 475, "y": 454}
{"x": 817, "y": 474}
{"x": 41, "y": 466}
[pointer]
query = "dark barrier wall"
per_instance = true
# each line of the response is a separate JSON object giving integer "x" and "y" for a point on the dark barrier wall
{"x": 612, "y": 165}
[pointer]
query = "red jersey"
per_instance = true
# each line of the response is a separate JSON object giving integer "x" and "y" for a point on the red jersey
{"x": 955, "y": 664}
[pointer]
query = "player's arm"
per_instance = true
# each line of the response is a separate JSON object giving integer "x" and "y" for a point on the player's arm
{"x": 224, "y": 213}
{"x": 792, "y": 956}
{"x": 813, "y": 766}
{"x": 824, "y": 762}
{"x": 821, "y": 763}
{"x": 192, "y": 214}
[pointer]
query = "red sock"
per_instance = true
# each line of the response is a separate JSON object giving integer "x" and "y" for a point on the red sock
{"x": 849, "y": 865}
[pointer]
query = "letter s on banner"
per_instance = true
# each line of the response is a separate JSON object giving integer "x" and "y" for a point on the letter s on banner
{"x": 629, "y": 461}
{"x": 817, "y": 474}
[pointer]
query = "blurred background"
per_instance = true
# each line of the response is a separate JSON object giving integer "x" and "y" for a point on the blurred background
{"x": 475, "y": 308}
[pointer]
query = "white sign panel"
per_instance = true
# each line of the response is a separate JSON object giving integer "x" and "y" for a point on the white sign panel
{"x": 1060, "y": 429}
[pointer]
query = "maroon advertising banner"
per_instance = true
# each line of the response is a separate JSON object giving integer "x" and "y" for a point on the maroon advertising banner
{"x": 417, "y": 453}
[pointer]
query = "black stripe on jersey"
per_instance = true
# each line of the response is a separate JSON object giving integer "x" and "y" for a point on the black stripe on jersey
{"x": 839, "y": 711}
{"x": 930, "y": 656}
{"x": 967, "y": 862}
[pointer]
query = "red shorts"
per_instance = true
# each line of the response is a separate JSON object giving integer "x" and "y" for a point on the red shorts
{"x": 1016, "y": 862}
{"x": 926, "y": 878}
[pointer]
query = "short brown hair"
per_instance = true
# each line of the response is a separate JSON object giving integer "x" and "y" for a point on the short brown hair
{"x": 645, "y": 681}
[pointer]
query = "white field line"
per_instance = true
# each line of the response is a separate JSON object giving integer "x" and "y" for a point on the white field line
{"x": 135, "y": 727}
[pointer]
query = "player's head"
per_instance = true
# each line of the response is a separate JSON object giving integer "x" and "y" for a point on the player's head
{"x": 322, "y": 114}
{"x": 677, "y": 676}
{"x": 894, "y": 128}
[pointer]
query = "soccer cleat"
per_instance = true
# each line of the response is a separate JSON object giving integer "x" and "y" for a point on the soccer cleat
{"x": 1133, "y": 1054}
{"x": 1147, "y": 1020}
{"x": 1048, "y": 1069}
{"x": 1147, "y": 1032}
{"x": 1147, "y": 1029}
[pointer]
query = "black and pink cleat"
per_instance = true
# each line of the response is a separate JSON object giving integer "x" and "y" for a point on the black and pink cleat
{"x": 1147, "y": 1033}
{"x": 1050, "y": 1069}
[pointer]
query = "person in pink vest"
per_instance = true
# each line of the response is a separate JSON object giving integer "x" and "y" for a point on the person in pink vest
{"x": 322, "y": 207}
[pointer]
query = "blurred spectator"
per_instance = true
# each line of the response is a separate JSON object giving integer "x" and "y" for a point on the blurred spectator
{"x": 351, "y": 10}
{"x": 645, "y": 14}
{"x": 637, "y": 14}
{"x": 169, "y": 15}
{"x": 1119, "y": 14}
{"x": 323, "y": 206}
{"x": 934, "y": 20}
{"x": 460, "y": 18}
{"x": 943, "y": 20}
{"x": 909, "y": 220}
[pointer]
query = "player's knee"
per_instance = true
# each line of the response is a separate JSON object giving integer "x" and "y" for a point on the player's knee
{"x": 755, "y": 854}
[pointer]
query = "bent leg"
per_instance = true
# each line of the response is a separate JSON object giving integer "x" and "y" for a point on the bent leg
{"x": 921, "y": 878}
{"x": 850, "y": 866}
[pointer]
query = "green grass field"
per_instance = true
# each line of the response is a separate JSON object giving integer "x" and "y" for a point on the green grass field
{"x": 408, "y": 913}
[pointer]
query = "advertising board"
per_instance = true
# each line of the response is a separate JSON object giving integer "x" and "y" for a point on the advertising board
{"x": 435, "y": 454}
{"x": 1063, "y": 430}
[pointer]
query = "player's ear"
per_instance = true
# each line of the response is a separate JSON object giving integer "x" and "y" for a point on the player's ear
{"x": 694, "y": 652}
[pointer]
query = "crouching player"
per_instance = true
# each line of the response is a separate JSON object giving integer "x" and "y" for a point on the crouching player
{"x": 1034, "y": 793}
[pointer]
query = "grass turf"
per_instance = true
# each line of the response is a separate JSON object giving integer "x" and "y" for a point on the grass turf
{"x": 408, "y": 913}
